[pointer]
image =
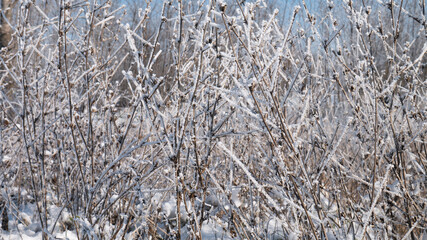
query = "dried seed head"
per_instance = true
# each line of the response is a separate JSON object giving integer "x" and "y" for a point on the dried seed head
{"x": 222, "y": 6}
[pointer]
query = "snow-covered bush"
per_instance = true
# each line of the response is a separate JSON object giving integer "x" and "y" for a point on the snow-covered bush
{"x": 211, "y": 120}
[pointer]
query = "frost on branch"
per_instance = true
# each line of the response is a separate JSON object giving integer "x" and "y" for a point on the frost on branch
{"x": 213, "y": 119}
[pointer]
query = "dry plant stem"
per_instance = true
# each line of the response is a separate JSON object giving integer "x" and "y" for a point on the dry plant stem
{"x": 261, "y": 188}
{"x": 287, "y": 166}
{"x": 200, "y": 178}
{"x": 123, "y": 137}
{"x": 156, "y": 41}
{"x": 223, "y": 191}
{"x": 27, "y": 147}
{"x": 130, "y": 216}
{"x": 285, "y": 133}
{"x": 176, "y": 157}
{"x": 384, "y": 182}
{"x": 192, "y": 98}
{"x": 42, "y": 159}
{"x": 375, "y": 154}
{"x": 89, "y": 103}
{"x": 231, "y": 43}
{"x": 25, "y": 124}
{"x": 63, "y": 67}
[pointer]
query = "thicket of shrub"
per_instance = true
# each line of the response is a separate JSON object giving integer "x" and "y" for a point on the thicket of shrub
{"x": 215, "y": 115}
